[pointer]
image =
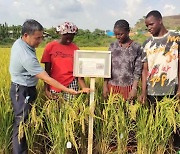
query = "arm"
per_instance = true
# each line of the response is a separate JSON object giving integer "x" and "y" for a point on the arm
{"x": 46, "y": 59}
{"x": 133, "y": 92}
{"x": 46, "y": 86}
{"x": 83, "y": 85}
{"x": 105, "y": 88}
{"x": 137, "y": 74}
{"x": 48, "y": 80}
{"x": 144, "y": 82}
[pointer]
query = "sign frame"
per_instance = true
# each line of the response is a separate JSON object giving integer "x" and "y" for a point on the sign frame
{"x": 92, "y": 63}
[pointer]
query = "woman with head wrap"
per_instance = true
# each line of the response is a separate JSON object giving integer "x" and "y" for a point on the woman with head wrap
{"x": 58, "y": 59}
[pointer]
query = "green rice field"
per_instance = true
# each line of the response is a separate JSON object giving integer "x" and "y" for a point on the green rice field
{"x": 119, "y": 127}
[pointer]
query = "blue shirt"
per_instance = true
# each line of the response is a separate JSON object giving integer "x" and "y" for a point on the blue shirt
{"x": 24, "y": 64}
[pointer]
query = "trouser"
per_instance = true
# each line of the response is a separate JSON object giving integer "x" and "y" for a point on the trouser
{"x": 152, "y": 99}
{"x": 21, "y": 98}
{"x": 176, "y": 136}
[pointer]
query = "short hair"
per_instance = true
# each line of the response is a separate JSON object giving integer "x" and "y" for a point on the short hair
{"x": 30, "y": 26}
{"x": 122, "y": 24}
{"x": 155, "y": 14}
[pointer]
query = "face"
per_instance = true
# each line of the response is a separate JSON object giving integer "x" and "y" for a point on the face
{"x": 153, "y": 25}
{"x": 121, "y": 34}
{"x": 33, "y": 40}
{"x": 66, "y": 39}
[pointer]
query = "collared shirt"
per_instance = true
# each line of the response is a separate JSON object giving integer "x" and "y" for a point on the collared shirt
{"x": 126, "y": 64}
{"x": 24, "y": 64}
{"x": 161, "y": 54}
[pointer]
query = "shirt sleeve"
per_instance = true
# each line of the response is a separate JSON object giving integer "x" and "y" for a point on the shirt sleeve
{"x": 144, "y": 55}
{"x": 138, "y": 64}
{"x": 75, "y": 46}
{"x": 46, "y": 57}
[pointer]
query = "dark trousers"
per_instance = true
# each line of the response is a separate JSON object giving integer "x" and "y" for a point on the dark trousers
{"x": 176, "y": 136}
{"x": 152, "y": 99}
{"x": 21, "y": 98}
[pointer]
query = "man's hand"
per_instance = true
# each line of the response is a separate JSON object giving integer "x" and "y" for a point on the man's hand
{"x": 85, "y": 90}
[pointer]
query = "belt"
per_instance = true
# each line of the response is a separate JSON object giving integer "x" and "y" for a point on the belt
{"x": 16, "y": 84}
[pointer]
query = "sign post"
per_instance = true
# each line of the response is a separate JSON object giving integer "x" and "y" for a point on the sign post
{"x": 88, "y": 63}
{"x": 92, "y": 105}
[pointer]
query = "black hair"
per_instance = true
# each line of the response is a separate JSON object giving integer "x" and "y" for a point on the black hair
{"x": 30, "y": 26}
{"x": 122, "y": 24}
{"x": 155, "y": 14}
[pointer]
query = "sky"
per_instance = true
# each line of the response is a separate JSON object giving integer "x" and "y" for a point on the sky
{"x": 86, "y": 14}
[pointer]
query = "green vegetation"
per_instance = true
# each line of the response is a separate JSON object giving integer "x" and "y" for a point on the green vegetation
{"x": 84, "y": 38}
{"x": 8, "y": 34}
{"x": 170, "y": 22}
{"x": 53, "y": 123}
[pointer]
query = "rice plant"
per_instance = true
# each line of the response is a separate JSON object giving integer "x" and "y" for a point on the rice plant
{"x": 54, "y": 123}
{"x": 6, "y": 115}
{"x": 155, "y": 126}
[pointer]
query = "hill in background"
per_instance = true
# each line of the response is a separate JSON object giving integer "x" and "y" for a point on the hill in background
{"x": 170, "y": 22}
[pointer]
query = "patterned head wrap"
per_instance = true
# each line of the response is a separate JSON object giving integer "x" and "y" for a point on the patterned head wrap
{"x": 67, "y": 27}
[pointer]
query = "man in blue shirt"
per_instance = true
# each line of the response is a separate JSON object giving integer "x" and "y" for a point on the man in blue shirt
{"x": 25, "y": 71}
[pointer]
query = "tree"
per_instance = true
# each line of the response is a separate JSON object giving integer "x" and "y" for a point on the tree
{"x": 98, "y": 32}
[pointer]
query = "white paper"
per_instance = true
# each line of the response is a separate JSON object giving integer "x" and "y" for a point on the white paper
{"x": 91, "y": 66}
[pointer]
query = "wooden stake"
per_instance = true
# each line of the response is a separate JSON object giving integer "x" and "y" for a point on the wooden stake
{"x": 90, "y": 134}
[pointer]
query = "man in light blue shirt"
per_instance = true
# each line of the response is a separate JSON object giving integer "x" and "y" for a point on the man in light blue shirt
{"x": 24, "y": 65}
{"x": 25, "y": 71}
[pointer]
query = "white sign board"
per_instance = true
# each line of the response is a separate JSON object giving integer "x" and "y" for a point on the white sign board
{"x": 90, "y": 63}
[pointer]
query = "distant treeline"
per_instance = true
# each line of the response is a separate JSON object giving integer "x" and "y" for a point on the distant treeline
{"x": 84, "y": 38}
{"x": 8, "y": 34}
